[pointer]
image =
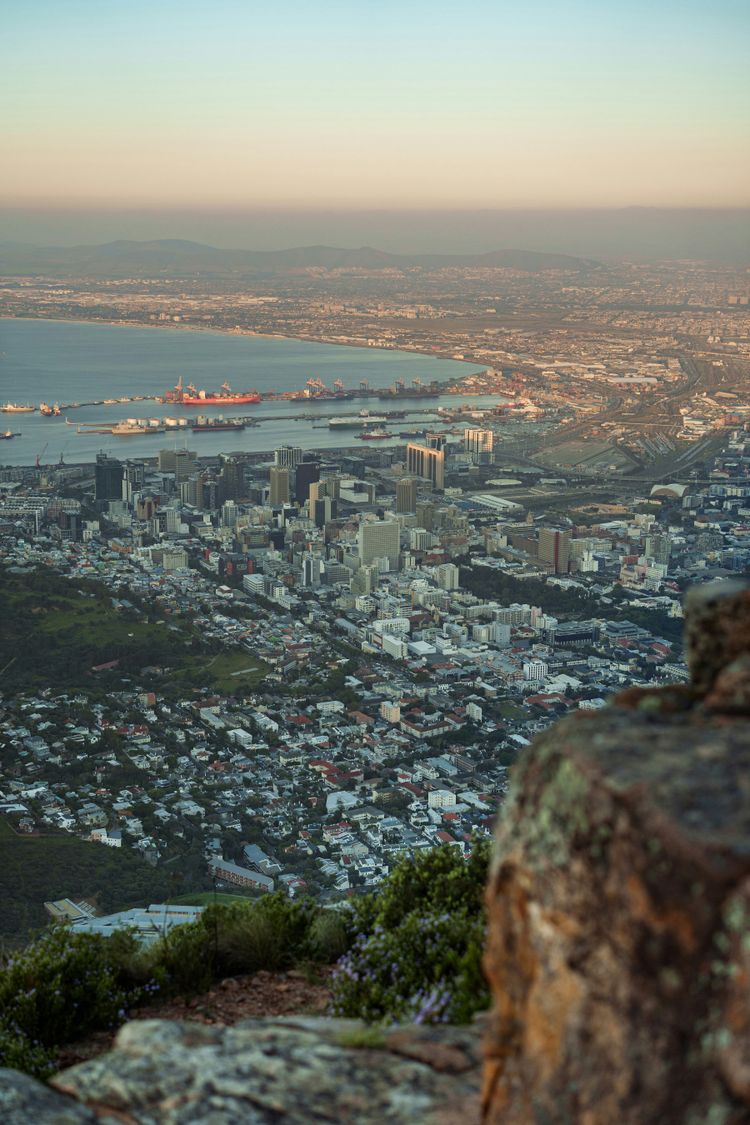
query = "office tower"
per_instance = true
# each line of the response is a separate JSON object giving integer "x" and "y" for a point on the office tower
{"x": 323, "y": 511}
{"x": 406, "y": 495}
{"x": 279, "y": 486}
{"x": 208, "y": 492}
{"x": 365, "y": 580}
{"x": 425, "y": 512}
{"x": 379, "y": 540}
{"x": 189, "y": 492}
{"x": 422, "y": 461}
{"x": 133, "y": 477}
{"x": 332, "y": 484}
{"x": 304, "y": 475}
{"x": 554, "y": 549}
{"x": 287, "y": 456}
{"x": 228, "y": 513}
{"x": 419, "y": 539}
{"x": 479, "y": 444}
{"x": 658, "y": 548}
{"x": 447, "y": 576}
{"x": 232, "y": 478}
{"x": 181, "y": 462}
{"x": 107, "y": 478}
{"x": 311, "y": 571}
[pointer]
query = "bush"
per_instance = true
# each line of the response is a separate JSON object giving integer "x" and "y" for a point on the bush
{"x": 62, "y": 986}
{"x": 17, "y": 1052}
{"x": 418, "y": 950}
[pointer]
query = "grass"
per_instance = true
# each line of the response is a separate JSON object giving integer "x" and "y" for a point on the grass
{"x": 225, "y": 672}
{"x": 54, "y": 634}
{"x": 206, "y": 898}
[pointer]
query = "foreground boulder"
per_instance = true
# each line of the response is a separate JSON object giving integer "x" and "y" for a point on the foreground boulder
{"x": 291, "y": 1069}
{"x": 619, "y": 902}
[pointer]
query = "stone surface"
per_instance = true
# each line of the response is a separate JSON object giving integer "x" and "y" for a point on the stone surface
{"x": 717, "y": 628}
{"x": 286, "y": 1070}
{"x": 619, "y": 905}
{"x": 23, "y": 1101}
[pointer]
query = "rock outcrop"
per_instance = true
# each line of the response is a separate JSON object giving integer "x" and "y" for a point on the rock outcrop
{"x": 619, "y": 902}
{"x": 293, "y": 1070}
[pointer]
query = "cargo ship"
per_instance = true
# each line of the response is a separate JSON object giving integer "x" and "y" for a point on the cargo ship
{"x": 373, "y": 435}
{"x": 6, "y": 435}
{"x": 15, "y": 408}
{"x": 48, "y": 411}
{"x": 356, "y": 421}
{"x": 189, "y": 396}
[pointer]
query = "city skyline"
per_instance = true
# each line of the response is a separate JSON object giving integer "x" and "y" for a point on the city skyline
{"x": 413, "y": 107}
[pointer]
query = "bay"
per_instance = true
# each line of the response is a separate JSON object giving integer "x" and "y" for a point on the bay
{"x": 74, "y": 361}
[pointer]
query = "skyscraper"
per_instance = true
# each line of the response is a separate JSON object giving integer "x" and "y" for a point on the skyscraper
{"x": 406, "y": 495}
{"x": 232, "y": 478}
{"x": 287, "y": 456}
{"x": 423, "y": 461}
{"x": 279, "y": 486}
{"x": 379, "y": 540}
{"x": 107, "y": 478}
{"x": 479, "y": 444}
{"x": 554, "y": 549}
{"x": 305, "y": 473}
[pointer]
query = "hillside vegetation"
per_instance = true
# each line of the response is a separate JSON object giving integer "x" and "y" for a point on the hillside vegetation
{"x": 38, "y": 869}
{"x": 408, "y": 951}
{"x": 55, "y": 631}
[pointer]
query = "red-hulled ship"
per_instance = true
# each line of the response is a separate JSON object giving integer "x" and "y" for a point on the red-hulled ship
{"x": 225, "y": 396}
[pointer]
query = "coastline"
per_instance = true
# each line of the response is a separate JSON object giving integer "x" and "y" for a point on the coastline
{"x": 307, "y": 339}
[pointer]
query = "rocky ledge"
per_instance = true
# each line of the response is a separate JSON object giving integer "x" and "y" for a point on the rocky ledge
{"x": 291, "y": 1070}
{"x": 619, "y": 902}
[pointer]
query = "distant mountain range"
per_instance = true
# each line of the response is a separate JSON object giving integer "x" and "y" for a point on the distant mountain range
{"x": 178, "y": 258}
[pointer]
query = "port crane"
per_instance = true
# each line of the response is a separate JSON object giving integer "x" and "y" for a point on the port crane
{"x": 39, "y": 456}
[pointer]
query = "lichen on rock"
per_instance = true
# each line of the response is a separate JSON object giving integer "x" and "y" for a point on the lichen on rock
{"x": 618, "y": 942}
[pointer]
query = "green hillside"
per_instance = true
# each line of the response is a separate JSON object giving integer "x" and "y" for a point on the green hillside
{"x": 55, "y": 630}
{"x": 36, "y": 869}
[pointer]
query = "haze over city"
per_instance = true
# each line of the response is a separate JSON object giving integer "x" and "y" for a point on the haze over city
{"x": 268, "y": 126}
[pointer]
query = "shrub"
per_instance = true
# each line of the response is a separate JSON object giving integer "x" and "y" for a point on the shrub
{"x": 417, "y": 955}
{"x": 17, "y": 1052}
{"x": 62, "y": 985}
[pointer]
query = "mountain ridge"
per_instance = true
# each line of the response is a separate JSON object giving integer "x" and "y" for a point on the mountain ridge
{"x": 183, "y": 256}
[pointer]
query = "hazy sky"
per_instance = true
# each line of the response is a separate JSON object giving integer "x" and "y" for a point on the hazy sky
{"x": 374, "y": 103}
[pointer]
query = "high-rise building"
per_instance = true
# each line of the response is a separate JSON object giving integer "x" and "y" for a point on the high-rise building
{"x": 133, "y": 477}
{"x": 447, "y": 576}
{"x": 107, "y": 478}
{"x": 479, "y": 444}
{"x": 323, "y": 511}
{"x": 279, "y": 486}
{"x": 288, "y": 456}
{"x": 311, "y": 571}
{"x": 406, "y": 495}
{"x": 181, "y": 462}
{"x": 379, "y": 540}
{"x": 425, "y": 512}
{"x": 304, "y": 475}
{"x": 658, "y": 548}
{"x": 554, "y": 549}
{"x": 232, "y": 478}
{"x": 423, "y": 461}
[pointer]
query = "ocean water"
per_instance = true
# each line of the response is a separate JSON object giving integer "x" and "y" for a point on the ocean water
{"x": 75, "y": 362}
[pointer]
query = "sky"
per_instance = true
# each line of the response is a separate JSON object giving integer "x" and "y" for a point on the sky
{"x": 374, "y": 104}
